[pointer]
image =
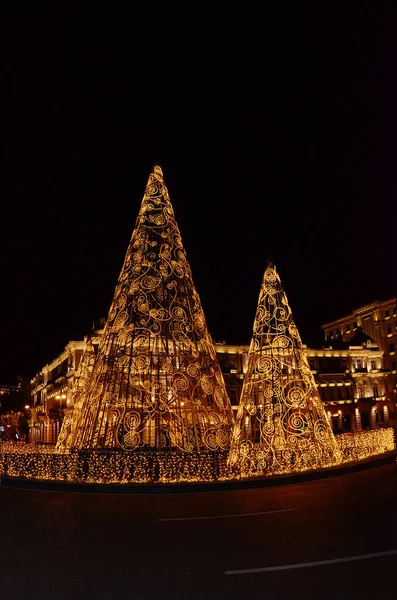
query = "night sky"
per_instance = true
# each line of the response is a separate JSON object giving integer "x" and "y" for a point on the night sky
{"x": 276, "y": 134}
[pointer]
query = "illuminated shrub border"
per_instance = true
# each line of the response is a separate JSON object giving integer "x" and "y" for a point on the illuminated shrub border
{"x": 112, "y": 466}
{"x": 359, "y": 446}
{"x": 31, "y": 462}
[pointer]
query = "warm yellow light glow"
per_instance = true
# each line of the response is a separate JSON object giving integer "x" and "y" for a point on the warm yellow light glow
{"x": 156, "y": 355}
{"x": 289, "y": 432}
{"x": 365, "y": 444}
{"x": 96, "y": 466}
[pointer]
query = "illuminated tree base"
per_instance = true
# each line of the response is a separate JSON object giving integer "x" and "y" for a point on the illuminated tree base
{"x": 364, "y": 444}
{"x": 101, "y": 466}
{"x": 255, "y": 460}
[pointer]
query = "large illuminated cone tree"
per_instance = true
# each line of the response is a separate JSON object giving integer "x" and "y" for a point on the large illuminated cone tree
{"x": 80, "y": 386}
{"x": 281, "y": 424}
{"x": 156, "y": 383}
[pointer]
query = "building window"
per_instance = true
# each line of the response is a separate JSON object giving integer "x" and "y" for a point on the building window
{"x": 344, "y": 364}
{"x": 391, "y": 347}
{"x": 337, "y": 331}
{"x": 376, "y": 391}
{"x": 360, "y": 392}
{"x": 389, "y": 329}
{"x": 231, "y": 365}
{"x": 386, "y": 313}
{"x": 393, "y": 365}
{"x": 359, "y": 364}
{"x": 365, "y": 421}
{"x": 233, "y": 397}
{"x": 346, "y": 422}
{"x": 373, "y": 365}
{"x": 312, "y": 364}
{"x": 355, "y": 325}
{"x": 347, "y": 328}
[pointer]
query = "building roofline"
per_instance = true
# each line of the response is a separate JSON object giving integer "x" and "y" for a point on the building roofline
{"x": 360, "y": 309}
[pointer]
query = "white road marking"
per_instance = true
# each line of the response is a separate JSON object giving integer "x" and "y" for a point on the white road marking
{"x": 317, "y": 563}
{"x": 269, "y": 512}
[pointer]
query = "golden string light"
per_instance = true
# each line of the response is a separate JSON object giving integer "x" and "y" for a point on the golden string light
{"x": 281, "y": 426}
{"x": 116, "y": 466}
{"x": 156, "y": 383}
{"x": 151, "y": 406}
{"x": 365, "y": 444}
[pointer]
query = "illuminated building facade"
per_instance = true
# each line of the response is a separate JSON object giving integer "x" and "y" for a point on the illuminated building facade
{"x": 352, "y": 383}
{"x": 48, "y": 408}
{"x": 80, "y": 385}
{"x": 10, "y": 387}
{"x": 379, "y": 321}
{"x": 233, "y": 361}
{"x": 51, "y": 390}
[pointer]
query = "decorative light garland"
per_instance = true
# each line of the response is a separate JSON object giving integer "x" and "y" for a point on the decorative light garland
{"x": 116, "y": 466}
{"x": 281, "y": 425}
{"x": 156, "y": 384}
{"x": 365, "y": 444}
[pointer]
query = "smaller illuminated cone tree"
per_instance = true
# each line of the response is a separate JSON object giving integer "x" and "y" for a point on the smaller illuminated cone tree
{"x": 281, "y": 424}
{"x": 80, "y": 384}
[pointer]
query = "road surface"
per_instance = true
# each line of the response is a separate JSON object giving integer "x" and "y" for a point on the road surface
{"x": 329, "y": 539}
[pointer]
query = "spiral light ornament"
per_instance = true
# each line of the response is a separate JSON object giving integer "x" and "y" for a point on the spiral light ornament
{"x": 281, "y": 424}
{"x": 158, "y": 383}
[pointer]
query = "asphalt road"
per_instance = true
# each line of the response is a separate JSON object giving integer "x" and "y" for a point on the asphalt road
{"x": 56, "y": 545}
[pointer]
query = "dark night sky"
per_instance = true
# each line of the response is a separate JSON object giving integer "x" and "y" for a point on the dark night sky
{"x": 276, "y": 135}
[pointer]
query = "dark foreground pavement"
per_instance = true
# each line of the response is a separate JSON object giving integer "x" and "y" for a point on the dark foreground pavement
{"x": 57, "y": 545}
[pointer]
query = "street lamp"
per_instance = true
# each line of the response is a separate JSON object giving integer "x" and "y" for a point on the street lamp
{"x": 60, "y": 398}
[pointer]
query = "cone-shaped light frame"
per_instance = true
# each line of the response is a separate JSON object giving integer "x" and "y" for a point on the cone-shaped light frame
{"x": 281, "y": 424}
{"x": 156, "y": 383}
